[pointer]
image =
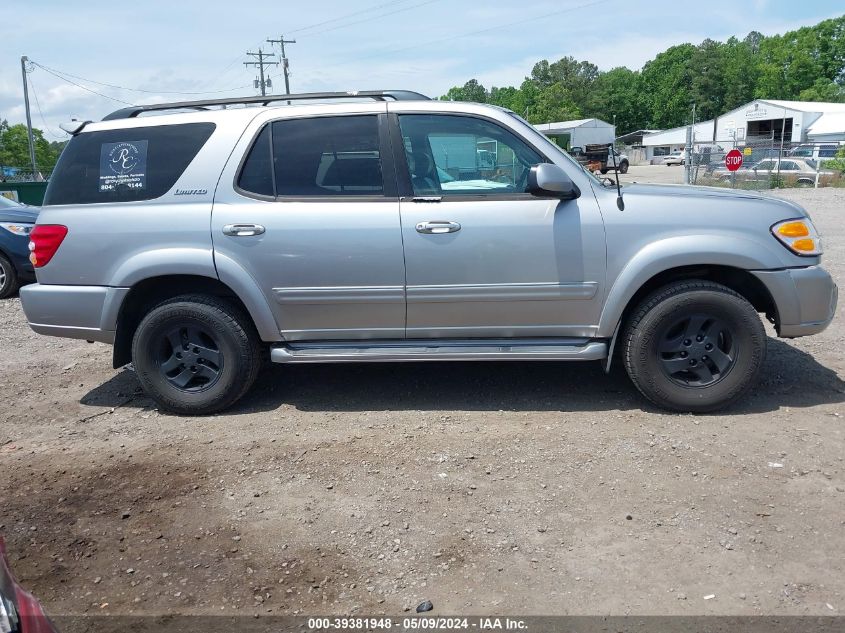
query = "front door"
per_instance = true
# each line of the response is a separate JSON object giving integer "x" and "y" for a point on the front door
{"x": 313, "y": 217}
{"x": 483, "y": 258}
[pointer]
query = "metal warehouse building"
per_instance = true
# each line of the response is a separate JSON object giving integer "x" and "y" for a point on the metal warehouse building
{"x": 578, "y": 133}
{"x": 757, "y": 122}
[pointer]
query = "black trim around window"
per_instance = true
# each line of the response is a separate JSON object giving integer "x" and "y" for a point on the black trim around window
{"x": 386, "y": 158}
{"x": 403, "y": 173}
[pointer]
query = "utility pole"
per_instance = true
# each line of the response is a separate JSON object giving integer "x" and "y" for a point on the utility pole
{"x": 24, "y": 60}
{"x": 688, "y": 150}
{"x": 281, "y": 42}
{"x": 261, "y": 56}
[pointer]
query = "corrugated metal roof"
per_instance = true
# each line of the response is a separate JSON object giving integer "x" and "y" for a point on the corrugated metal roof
{"x": 829, "y": 123}
{"x": 806, "y": 106}
{"x": 573, "y": 124}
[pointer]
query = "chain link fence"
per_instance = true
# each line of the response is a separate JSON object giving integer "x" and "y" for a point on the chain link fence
{"x": 769, "y": 164}
{"x": 23, "y": 174}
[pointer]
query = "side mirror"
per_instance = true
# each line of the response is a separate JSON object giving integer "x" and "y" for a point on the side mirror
{"x": 550, "y": 180}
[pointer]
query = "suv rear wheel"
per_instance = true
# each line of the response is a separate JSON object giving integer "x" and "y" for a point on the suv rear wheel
{"x": 196, "y": 354}
{"x": 694, "y": 346}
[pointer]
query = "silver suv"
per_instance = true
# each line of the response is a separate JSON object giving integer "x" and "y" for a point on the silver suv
{"x": 383, "y": 226}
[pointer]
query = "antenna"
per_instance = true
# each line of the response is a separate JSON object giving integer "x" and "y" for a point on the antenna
{"x": 620, "y": 203}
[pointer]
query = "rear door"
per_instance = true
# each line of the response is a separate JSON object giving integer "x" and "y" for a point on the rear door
{"x": 312, "y": 214}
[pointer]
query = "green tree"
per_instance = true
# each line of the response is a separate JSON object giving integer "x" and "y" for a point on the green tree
{"x": 708, "y": 87}
{"x": 667, "y": 82}
{"x": 14, "y": 148}
{"x": 552, "y": 103}
{"x": 470, "y": 91}
{"x": 823, "y": 90}
{"x": 807, "y": 64}
{"x": 617, "y": 95}
{"x": 740, "y": 69}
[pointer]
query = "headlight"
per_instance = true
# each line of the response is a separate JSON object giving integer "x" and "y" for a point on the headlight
{"x": 18, "y": 228}
{"x": 799, "y": 236}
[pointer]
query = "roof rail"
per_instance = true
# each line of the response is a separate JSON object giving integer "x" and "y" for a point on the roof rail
{"x": 377, "y": 95}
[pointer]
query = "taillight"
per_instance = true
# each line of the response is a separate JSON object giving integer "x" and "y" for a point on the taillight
{"x": 44, "y": 241}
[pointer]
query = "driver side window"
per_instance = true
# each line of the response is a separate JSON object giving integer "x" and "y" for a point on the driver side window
{"x": 461, "y": 155}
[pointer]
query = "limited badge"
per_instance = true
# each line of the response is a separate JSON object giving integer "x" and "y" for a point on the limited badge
{"x": 123, "y": 165}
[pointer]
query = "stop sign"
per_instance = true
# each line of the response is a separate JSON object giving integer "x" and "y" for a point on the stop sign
{"x": 733, "y": 160}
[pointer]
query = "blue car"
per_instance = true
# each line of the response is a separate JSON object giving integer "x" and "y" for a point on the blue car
{"x": 16, "y": 223}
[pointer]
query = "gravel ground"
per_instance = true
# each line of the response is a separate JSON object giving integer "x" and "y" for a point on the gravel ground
{"x": 519, "y": 488}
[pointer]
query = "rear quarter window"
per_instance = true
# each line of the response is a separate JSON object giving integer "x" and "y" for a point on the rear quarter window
{"x": 125, "y": 165}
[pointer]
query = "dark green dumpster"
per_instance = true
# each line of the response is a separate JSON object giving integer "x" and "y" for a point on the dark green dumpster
{"x": 28, "y": 192}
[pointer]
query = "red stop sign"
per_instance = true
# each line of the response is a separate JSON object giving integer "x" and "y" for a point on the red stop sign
{"x": 733, "y": 160}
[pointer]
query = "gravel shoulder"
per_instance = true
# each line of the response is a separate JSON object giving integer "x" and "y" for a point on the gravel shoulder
{"x": 519, "y": 488}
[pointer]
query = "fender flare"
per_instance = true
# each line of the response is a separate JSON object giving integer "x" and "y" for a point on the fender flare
{"x": 198, "y": 262}
{"x": 675, "y": 252}
{"x": 248, "y": 291}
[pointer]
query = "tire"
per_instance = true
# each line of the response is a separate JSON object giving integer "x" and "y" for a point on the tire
{"x": 9, "y": 281}
{"x": 604, "y": 171}
{"x": 218, "y": 362}
{"x": 805, "y": 182}
{"x": 694, "y": 346}
{"x": 623, "y": 167}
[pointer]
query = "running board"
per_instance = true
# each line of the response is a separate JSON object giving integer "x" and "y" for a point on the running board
{"x": 455, "y": 350}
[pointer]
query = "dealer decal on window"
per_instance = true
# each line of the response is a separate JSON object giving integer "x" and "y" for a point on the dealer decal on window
{"x": 123, "y": 165}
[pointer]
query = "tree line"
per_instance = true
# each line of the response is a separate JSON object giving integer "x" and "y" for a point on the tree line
{"x": 14, "y": 149}
{"x": 807, "y": 64}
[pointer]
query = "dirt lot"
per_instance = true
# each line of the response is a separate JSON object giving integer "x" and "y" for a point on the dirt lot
{"x": 485, "y": 488}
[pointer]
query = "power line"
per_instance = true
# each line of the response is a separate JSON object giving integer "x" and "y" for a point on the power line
{"x": 348, "y": 15}
{"x": 99, "y": 94}
{"x": 115, "y": 86}
{"x": 47, "y": 127}
{"x": 383, "y": 15}
{"x": 468, "y": 33}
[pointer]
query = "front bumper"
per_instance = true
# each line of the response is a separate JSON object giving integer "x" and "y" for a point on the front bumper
{"x": 805, "y": 299}
{"x": 86, "y": 312}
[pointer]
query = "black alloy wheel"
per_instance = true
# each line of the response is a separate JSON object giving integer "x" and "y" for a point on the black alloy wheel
{"x": 697, "y": 350}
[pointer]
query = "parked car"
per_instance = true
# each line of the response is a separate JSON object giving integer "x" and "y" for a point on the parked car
{"x": 815, "y": 150}
{"x": 793, "y": 171}
{"x": 16, "y": 222}
{"x": 675, "y": 158}
{"x": 199, "y": 242}
{"x": 20, "y": 612}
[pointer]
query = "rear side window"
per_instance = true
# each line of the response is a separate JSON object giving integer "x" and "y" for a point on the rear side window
{"x": 125, "y": 165}
{"x": 325, "y": 156}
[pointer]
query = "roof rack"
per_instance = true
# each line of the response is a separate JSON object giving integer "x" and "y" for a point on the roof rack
{"x": 376, "y": 95}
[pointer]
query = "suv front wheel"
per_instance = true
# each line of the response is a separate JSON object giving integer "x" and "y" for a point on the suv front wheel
{"x": 196, "y": 354}
{"x": 694, "y": 346}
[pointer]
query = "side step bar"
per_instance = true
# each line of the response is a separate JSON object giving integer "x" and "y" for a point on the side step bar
{"x": 461, "y": 350}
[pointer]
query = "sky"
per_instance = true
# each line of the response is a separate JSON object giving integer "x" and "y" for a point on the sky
{"x": 160, "y": 50}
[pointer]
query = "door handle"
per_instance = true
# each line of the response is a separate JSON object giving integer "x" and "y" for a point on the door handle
{"x": 243, "y": 230}
{"x": 434, "y": 227}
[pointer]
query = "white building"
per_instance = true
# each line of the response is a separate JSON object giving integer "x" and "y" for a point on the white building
{"x": 758, "y": 122}
{"x": 579, "y": 133}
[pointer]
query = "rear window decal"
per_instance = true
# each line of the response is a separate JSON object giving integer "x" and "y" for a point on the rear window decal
{"x": 123, "y": 165}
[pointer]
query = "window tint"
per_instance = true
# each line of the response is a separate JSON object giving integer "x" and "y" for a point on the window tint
{"x": 459, "y": 155}
{"x": 125, "y": 165}
{"x": 327, "y": 156}
{"x": 257, "y": 171}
